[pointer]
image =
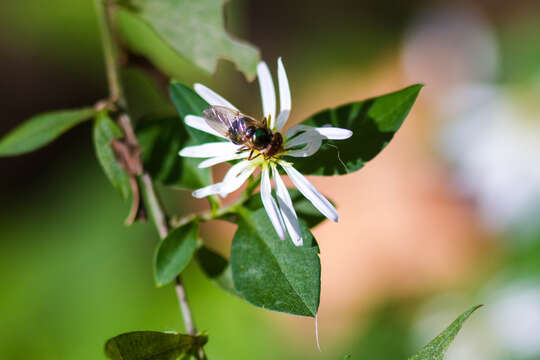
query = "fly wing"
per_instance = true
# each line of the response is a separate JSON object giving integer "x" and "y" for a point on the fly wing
{"x": 230, "y": 123}
{"x": 221, "y": 118}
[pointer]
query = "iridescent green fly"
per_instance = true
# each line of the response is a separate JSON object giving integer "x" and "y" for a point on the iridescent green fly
{"x": 254, "y": 135}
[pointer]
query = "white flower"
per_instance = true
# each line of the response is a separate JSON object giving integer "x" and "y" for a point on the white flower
{"x": 299, "y": 141}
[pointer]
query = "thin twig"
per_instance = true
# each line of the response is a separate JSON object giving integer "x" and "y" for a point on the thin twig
{"x": 182, "y": 300}
{"x": 151, "y": 199}
{"x": 109, "y": 49}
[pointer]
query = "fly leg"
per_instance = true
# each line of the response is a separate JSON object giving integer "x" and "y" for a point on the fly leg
{"x": 243, "y": 148}
{"x": 250, "y": 154}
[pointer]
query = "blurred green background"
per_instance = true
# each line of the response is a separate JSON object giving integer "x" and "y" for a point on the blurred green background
{"x": 74, "y": 275}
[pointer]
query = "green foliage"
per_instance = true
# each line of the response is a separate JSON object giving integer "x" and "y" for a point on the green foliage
{"x": 373, "y": 123}
{"x": 216, "y": 268}
{"x": 105, "y": 130}
{"x": 42, "y": 129}
{"x": 160, "y": 140}
{"x": 144, "y": 98}
{"x": 195, "y": 30}
{"x": 161, "y": 134}
{"x": 152, "y": 345}
{"x": 188, "y": 102}
{"x": 273, "y": 273}
{"x": 175, "y": 252}
{"x": 386, "y": 332}
{"x": 304, "y": 208}
{"x": 436, "y": 349}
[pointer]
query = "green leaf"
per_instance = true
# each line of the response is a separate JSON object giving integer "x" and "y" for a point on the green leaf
{"x": 105, "y": 130}
{"x": 40, "y": 130}
{"x": 142, "y": 40}
{"x": 304, "y": 208}
{"x": 436, "y": 349}
{"x": 373, "y": 123}
{"x": 188, "y": 102}
{"x": 144, "y": 97}
{"x": 273, "y": 273}
{"x": 160, "y": 140}
{"x": 195, "y": 30}
{"x": 175, "y": 252}
{"x": 217, "y": 268}
{"x": 152, "y": 345}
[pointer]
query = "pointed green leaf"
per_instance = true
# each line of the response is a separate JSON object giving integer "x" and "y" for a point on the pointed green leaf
{"x": 216, "y": 268}
{"x": 304, "y": 208}
{"x": 436, "y": 349}
{"x": 152, "y": 345}
{"x": 175, "y": 252}
{"x": 373, "y": 123}
{"x": 105, "y": 130}
{"x": 40, "y": 130}
{"x": 273, "y": 273}
{"x": 195, "y": 30}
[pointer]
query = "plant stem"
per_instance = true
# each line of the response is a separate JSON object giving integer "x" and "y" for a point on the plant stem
{"x": 109, "y": 49}
{"x": 151, "y": 199}
{"x": 184, "y": 305}
{"x": 153, "y": 205}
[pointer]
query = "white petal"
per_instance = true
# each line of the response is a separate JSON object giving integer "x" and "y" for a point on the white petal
{"x": 287, "y": 208}
{"x": 311, "y": 148}
{"x": 234, "y": 178}
{"x": 312, "y": 137}
{"x": 270, "y": 204}
{"x": 207, "y": 190}
{"x": 298, "y": 128}
{"x": 210, "y": 150}
{"x": 221, "y": 159}
{"x": 236, "y": 170}
{"x": 282, "y": 119}
{"x": 312, "y": 141}
{"x": 268, "y": 94}
{"x": 327, "y": 131}
{"x": 284, "y": 96}
{"x": 198, "y": 122}
{"x": 334, "y": 133}
{"x": 304, "y": 138}
{"x": 309, "y": 191}
{"x": 212, "y": 97}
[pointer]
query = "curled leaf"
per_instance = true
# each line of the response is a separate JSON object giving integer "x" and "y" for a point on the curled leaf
{"x": 195, "y": 30}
